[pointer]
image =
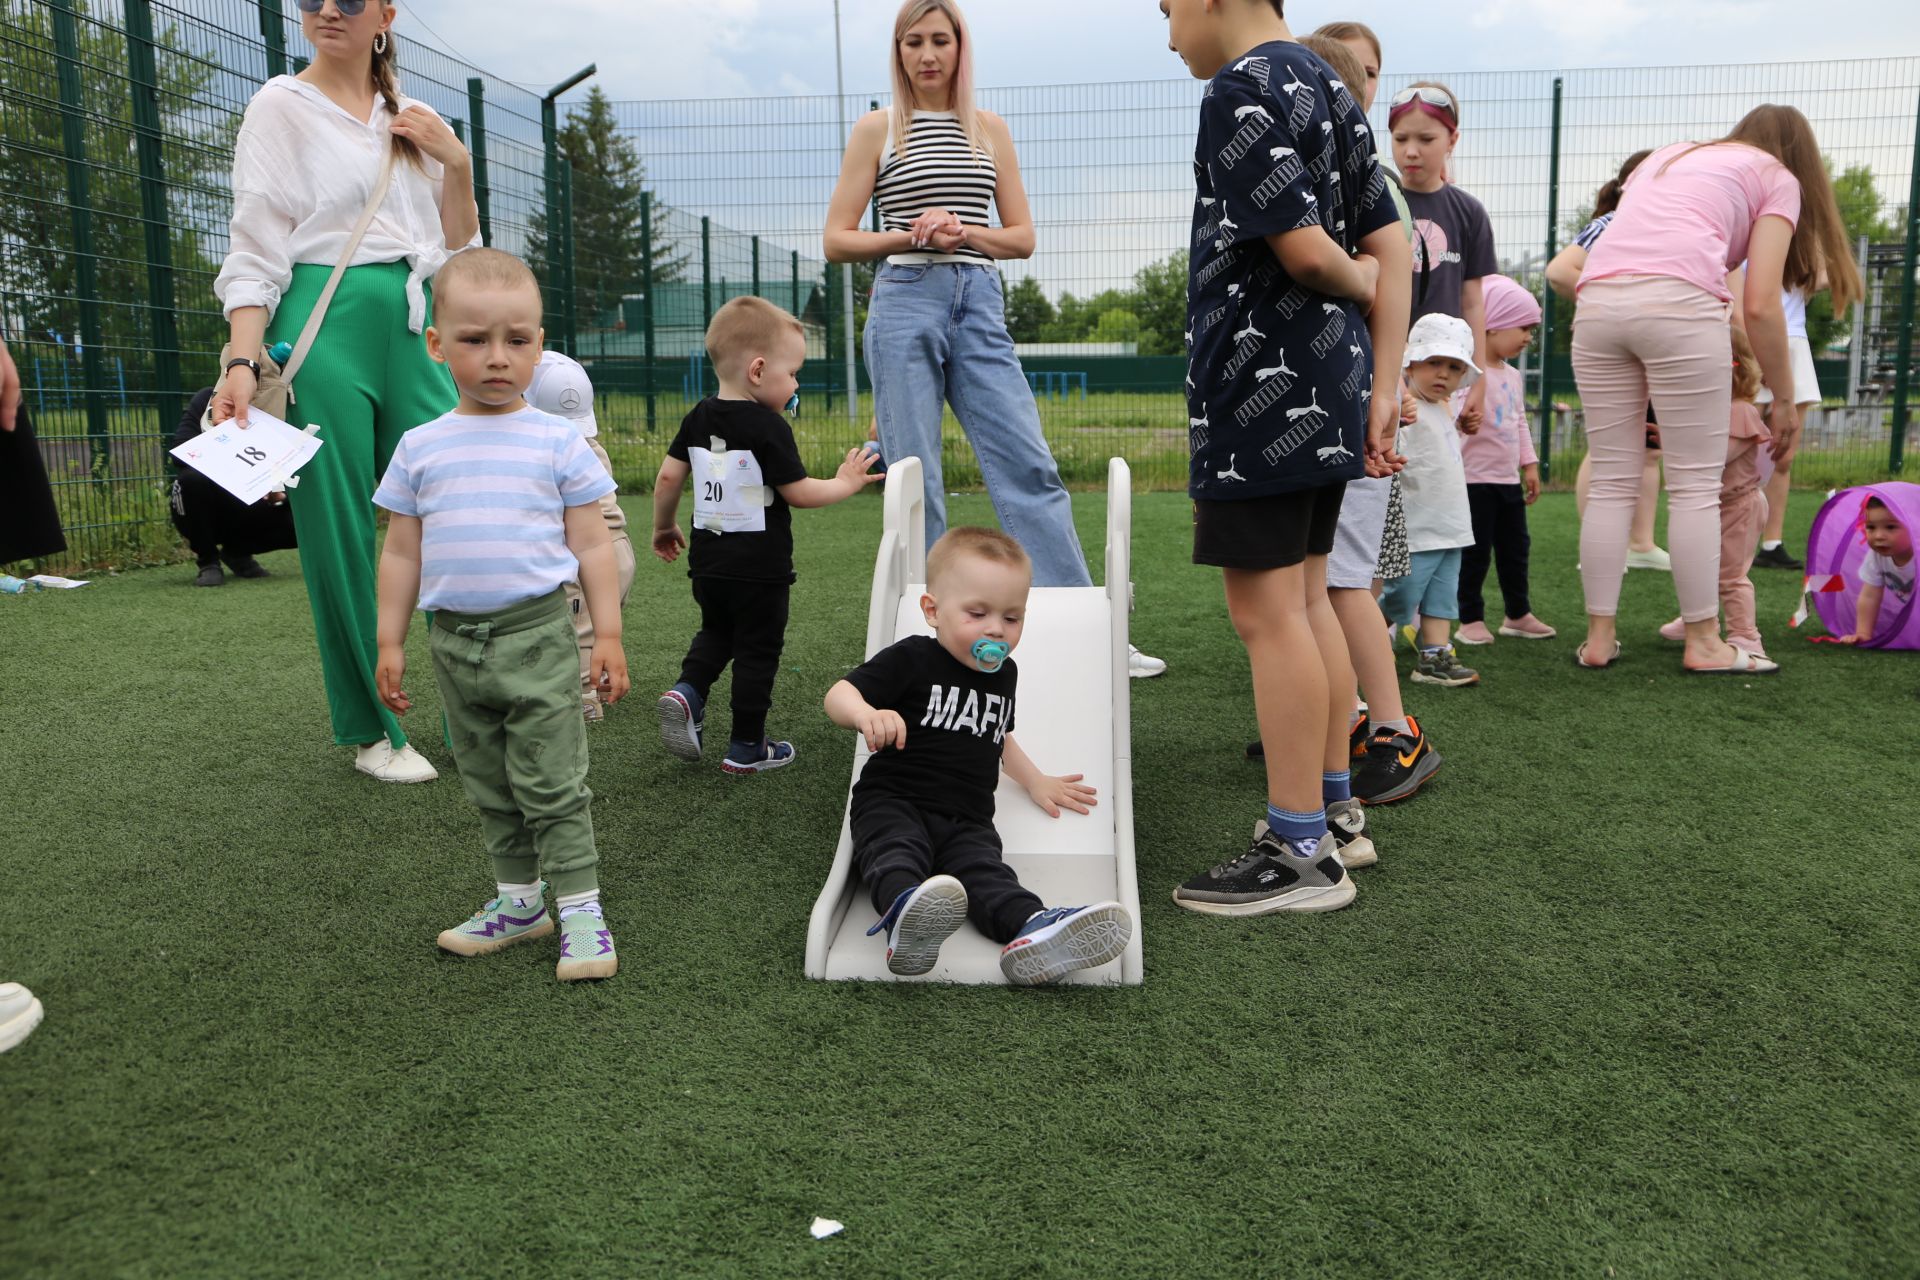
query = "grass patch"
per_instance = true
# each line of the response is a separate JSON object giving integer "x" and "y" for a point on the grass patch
{"x": 1632, "y": 990}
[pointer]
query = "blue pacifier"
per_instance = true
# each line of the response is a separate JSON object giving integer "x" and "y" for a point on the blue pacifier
{"x": 793, "y": 403}
{"x": 989, "y": 654}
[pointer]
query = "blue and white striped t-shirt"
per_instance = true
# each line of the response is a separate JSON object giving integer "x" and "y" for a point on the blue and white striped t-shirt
{"x": 491, "y": 492}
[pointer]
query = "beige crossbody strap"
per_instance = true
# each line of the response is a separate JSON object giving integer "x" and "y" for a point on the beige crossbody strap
{"x": 319, "y": 312}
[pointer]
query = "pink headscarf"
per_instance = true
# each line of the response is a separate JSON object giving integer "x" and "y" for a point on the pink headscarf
{"x": 1508, "y": 306}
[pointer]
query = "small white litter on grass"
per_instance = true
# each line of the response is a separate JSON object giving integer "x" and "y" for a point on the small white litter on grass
{"x": 824, "y": 1227}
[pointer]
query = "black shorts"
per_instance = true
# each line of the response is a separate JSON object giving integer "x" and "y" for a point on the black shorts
{"x": 1267, "y": 533}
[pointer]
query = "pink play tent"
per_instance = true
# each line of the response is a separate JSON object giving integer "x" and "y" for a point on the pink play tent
{"x": 1834, "y": 551}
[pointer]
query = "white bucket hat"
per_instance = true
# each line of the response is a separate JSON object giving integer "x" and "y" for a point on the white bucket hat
{"x": 1442, "y": 335}
{"x": 562, "y": 388}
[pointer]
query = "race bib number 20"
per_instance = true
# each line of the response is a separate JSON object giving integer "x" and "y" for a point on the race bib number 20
{"x": 728, "y": 494}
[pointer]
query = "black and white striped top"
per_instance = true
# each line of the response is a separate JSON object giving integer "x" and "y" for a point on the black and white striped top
{"x": 939, "y": 171}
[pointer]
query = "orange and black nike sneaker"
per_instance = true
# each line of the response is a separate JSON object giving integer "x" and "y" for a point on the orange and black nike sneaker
{"x": 1397, "y": 765}
{"x": 1356, "y": 742}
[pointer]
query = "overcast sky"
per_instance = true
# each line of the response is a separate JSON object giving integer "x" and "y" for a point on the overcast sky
{"x": 757, "y": 48}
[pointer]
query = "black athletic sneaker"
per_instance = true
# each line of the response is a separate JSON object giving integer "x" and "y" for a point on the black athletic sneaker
{"x": 1778, "y": 558}
{"x": 1397, "y": 765}
{"x": 1270, "y": 877}
{"x": 210, "y": 575}
{"x": 246, "y": 567}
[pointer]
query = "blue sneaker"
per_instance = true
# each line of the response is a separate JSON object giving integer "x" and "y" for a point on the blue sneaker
{"x": 743, "y": 758}
{"x": 1055, "y": 942}
{"x": 919, "y": 920}
{"x": 680, "y": 718}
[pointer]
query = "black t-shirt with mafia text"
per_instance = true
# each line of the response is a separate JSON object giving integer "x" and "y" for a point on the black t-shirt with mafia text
{"x": 737, "y": 449}
{"x": 957, "y": 720}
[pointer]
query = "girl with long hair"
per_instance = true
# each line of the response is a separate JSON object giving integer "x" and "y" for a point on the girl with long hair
{"x": 1654, "y": 308}
{"x": 936, "y": 330}
{"x": 305, "y": 162}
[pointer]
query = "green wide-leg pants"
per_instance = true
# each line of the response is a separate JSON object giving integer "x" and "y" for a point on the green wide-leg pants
{"x": 367, "y": 381}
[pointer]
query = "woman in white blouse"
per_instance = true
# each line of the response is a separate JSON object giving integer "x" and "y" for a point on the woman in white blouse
{"x": 304, "y": 165}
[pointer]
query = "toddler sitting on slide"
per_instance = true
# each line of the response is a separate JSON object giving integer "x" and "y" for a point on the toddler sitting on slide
{"x": 937, "y": 712}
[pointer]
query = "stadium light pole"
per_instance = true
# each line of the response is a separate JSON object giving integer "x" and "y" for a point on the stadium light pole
{"x": 846, "y": 269}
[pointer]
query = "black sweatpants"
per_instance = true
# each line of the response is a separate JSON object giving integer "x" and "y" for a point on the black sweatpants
{"x": 897, "y": 844}
{"x": 744, "y": 623}
{"x": 213, "y": 520}
{"x": 1500, "y": 537}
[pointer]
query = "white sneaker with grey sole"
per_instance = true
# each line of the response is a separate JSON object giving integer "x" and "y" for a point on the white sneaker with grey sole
{"x": 20, "y": 1013}
{"x": 1142, "y": 666}
{"x": 382, "y": 763}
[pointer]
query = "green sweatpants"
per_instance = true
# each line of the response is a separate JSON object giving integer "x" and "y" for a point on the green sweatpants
{"x": 512, "y": 695}
{"x": 367, "y": 381}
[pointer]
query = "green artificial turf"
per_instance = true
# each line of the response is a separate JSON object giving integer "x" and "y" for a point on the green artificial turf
{"x": 1631, "y": 992}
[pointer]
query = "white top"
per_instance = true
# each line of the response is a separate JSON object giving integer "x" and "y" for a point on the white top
{"x": 1794, "y": 303}
{"x": 302, "y": 171}
{"x": 1433, "y": 484}
{"x": 1877, "y": 570}
{"x": 939, "y": 171}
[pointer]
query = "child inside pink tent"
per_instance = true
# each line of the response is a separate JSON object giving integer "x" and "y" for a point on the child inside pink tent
{"x": 1861, "y": 568}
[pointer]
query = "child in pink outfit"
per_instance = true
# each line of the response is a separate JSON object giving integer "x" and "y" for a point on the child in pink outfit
{"x": 1743, "y": 506}
{"x": 1503, "y": 474}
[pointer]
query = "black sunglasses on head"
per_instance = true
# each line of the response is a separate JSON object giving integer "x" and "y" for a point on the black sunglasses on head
{"x": 347, "y": 8}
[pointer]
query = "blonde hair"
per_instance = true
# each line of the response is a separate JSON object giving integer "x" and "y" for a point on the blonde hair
{"x": 1341, "y": 59}
{"x": 1746, "y": 366}
{"x": 1344, "y": 31}
{"x": 959, "y": 95}
{"x": 744, "y": 328}
{"x": 1820, "y": 236}
{"x": 482, "y": 268}
{"x": 978, "y": 542}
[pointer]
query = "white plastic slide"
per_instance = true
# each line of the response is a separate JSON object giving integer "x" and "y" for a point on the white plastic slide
{"x": 1071, "y": 715}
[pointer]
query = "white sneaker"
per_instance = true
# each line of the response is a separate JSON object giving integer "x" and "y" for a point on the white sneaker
{"x": 20, "y": 1013}
{"x": 1656, "y": 559}
{"x": 382, "y": 763}
{"x": 1143, "y": 666}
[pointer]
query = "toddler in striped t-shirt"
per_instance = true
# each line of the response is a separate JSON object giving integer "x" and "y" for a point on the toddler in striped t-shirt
{"x": 495, "y": 509}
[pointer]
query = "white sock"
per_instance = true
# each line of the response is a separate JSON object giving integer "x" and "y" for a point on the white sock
{"x": 588, "y": 902}
{"x": 1770, "y": 544}
{"x": 525, "y": 895}
{"x": 1398, "y": 726}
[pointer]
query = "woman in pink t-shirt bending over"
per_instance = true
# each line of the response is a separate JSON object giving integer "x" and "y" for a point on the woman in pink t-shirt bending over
{"x": 1652, "y": 325}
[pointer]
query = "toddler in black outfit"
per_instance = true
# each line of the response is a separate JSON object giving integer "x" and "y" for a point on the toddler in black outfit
{"x": 747, "y": 474}
{"x": 938, "y": 714}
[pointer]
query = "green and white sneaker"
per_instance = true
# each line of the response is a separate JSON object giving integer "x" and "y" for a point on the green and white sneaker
{"x": 499, "y": 924}
{"x": 586, "y": 947}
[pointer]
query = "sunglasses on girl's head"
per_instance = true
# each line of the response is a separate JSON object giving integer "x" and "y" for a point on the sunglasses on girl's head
{"x": 347, "y": 8}
{"x": 1405, "y": 98}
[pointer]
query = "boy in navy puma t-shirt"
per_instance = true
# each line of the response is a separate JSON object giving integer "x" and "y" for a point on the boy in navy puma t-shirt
{"x": 1294, "y": 345}
{"x": 938, "y": 712}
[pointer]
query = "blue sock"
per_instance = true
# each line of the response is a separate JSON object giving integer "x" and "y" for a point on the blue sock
{"x": 1303, "y": 831}
{"x": 1336, "y": 786}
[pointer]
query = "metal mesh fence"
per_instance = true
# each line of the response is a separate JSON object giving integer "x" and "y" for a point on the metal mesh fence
{"x": 116, "y": 125}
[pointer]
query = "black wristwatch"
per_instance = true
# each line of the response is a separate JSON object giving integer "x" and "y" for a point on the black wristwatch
{"x": 237, "y": 361}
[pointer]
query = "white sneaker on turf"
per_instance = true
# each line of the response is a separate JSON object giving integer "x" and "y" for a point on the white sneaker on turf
{"x": 1143, "y": 666}
{"x": 382, "y": 763}
{"x": 1655, "y": 559}
{"x": 20, "y": 1013}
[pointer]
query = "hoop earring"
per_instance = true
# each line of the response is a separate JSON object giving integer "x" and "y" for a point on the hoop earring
{"x": 379, "y": 42}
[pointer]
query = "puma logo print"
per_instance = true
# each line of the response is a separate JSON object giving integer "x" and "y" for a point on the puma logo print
{"x": 1248, "y": 332}
{"x": 1261, "y": 375}
{"x": 1230, "y": 473}
{"x": 1255, "y": 110}
{"x": 1304, "y": 410}
{"x": 1335, "y": 453}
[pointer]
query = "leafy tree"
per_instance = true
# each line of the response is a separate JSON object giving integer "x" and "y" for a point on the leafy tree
{"x": 1116, "y": 325}
{"x": 1072, "y": 321}
{"x": 608, "y": 182}
{"x": 1858, "y": 196}
{"x": 1029, "y": 311}
{"x": 38, "y": 266}
{"x": 1160, "y": 290}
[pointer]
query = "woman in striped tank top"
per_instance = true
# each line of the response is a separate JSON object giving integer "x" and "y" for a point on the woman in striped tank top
{"x": 936, "y": 330}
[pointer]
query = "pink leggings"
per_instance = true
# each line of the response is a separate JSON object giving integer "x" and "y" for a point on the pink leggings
{"x": 1641, "y": 337}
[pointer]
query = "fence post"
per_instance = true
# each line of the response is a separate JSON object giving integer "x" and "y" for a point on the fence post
{"x": 826, "y": 317}
{"x": 646, "y": 299}
{"x": 798, "y": 306}
{"x": 144, "y": 85}
{"x": 73, "y": 128}
{"x": 1903, "y": 378}
{"x": 756, "y": 266}
{"x": 459, "y": 128}
{"x": 482, "y": 194}
{"x": 550, "y": 138}
{"x": 273, "y": 33}
{"x": 706, "y": 272}
{"x": 1547, "y": 299}
{"x": 570, "y": 303}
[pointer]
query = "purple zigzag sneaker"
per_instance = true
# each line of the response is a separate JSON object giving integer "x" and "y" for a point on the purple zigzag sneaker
{"x": 586, "y": 947}
{"x": 501, "y": 923}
